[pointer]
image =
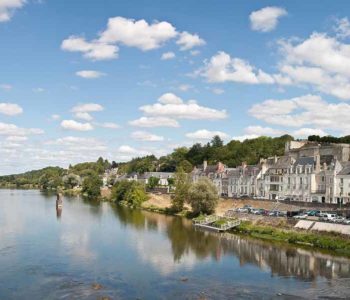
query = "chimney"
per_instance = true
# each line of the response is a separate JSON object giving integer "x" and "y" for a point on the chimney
{"x": 205, "y": 165}
{"x": 318, "y": 163}
{"x": 275, "y": 159}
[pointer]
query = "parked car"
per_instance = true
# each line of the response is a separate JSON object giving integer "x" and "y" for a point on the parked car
{"x": 338, "y": 220}
{"x": 331, "y": 217}
{"x": 313, "y": 213}
{"x": 242, "y": 210}
{"x": 346, "y": 222}
{"x": 301, "y": 216}
{"x": 254, "y": 211}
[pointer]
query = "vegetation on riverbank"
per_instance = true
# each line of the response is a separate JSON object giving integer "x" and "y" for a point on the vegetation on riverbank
{"x": 328, "y": 241}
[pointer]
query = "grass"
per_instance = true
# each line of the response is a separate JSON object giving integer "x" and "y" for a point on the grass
{"x": 327, "y": 241}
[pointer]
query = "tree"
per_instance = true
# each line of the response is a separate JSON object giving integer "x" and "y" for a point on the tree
{"x": 131, "y": 192}
{"x": 114, "y": 165}
{"x": 153, "y": 182}
{"x": 71, "y": 180}
{"x": 171, "y": 181}
{"x": 203, "y": 197}
{"x": 186, "y": 166}
{"x": 182, "y": 186}
{"x": 217, "y": 142}
{"x": 91, "y": 186}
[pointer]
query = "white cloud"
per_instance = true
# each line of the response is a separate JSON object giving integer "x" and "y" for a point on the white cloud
{"x": 108, "y": 125}
{"x": 137, "y": 34}
{"x": 304, "y": 111}
{"x": 94, "y": 50}
{"x": 204, "y": 134}
{"x": 221, "y": 68}
{"x": 127, "y": 149}
{"x": 305, "y": 132}
{"x": 146, "y": 136}
{"x": 6, "y": 86}
{"x": 155, "y": 122}
{"x": 262, "y": 131}
{"x": 7, "y": 8}
{"x": 172, "y": 106}
{"x": 16, "y": 138}
{"x": 167, "y": 55}
{"x": 87, "y": 107}
{"x": 74, "y": 125}
{"x": 78, "y": 143}
{"x": 266, "y": 19}
{"x": 320, "y": 61}
{"x": 188, "y": 41}
{"x": 10, "y": 109}
{"x": 185, "y": 87}
{"x": 132, "y": 33}
{"x": 90, "y": 74}
{"x": 83, "y": 116}
{"x": 14, "y": 130}
{"x": 195, "y": 52}
{"x": 170, "y": 98}
{"x": 342, "y": 28}
{"x": 218, "y": 91}
{"x": 55, "y": 117}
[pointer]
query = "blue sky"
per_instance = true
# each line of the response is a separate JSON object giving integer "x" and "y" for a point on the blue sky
{"x": 80, "y": 79}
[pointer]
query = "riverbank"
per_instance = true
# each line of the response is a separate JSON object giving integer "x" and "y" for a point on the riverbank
{"x": 262, "y": 227}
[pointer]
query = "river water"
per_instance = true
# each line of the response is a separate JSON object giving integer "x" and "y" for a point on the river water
{"x": 90, "y": 251}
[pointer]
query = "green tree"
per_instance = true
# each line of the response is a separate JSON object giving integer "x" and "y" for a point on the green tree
{"x": 91, "y": 186}
{"x": 71, "y": 180}
{"x": 186, "y": 166}
{"x": 131, "y": 192}
{"x": 182, "y": 186}
{"x": 217, "y": 142}
{"x": 153, "y": 182}
{"x": 203, "y": 197}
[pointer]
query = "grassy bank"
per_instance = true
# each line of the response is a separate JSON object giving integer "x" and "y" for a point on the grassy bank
{"x": 328, "y": 241}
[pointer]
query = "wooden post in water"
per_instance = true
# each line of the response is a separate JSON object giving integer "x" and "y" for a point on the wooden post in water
{"x": 59, "y": 200}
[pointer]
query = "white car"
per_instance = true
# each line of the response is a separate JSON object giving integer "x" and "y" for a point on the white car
{"x": 346, "y": 222}
{"x": 339, "y": 220}
{"x": 302, "y": 216}
{"x": 331, "y": 217}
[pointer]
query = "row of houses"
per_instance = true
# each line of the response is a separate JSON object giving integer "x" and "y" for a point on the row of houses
{"x": 307, "y": 171}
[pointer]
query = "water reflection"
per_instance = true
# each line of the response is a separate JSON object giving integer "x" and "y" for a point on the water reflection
{"x": 280, "y": 260}
{"x": 139, "y": 254}
{"x": 58, "y": 212}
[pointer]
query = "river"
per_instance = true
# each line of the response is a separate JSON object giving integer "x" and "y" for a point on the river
{"x": 94, "y": 250}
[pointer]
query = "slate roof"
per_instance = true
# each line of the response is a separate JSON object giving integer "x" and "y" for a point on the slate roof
{"x": 304, "y": 161}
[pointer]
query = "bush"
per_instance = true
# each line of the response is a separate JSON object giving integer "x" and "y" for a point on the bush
{"x": 91, "y": 186}
{"x": 203, "y": 197}
{"x": 131, "y": 192}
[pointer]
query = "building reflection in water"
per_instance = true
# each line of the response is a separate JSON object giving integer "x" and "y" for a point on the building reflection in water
{"x": 279, "y": 259}
{"x": 58, "y": 212}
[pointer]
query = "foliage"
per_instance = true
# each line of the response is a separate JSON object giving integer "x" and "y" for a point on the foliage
{"x": 71, "y": 181}
{"x": 46, "y": 178}
{"x": 203, "y": 197}
{"x": 131, "y": 192}
{"x": 91, "y": 186}
{"x": 153, "y": 182}
{"x": 171, "y": 181}
{"x": 329, "y": 139}
{"x": 182, "y": 186}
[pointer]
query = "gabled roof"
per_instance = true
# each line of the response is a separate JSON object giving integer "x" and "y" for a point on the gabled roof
{"x": 304, "y": 161}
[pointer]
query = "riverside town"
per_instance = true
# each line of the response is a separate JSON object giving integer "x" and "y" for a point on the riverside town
{"x": 174, "y": 149}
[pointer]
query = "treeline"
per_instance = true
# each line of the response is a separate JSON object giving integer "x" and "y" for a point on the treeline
{"x": 232, "y": 154}
{"x": 329, "y": 139}
{"x": 56, "y": 177}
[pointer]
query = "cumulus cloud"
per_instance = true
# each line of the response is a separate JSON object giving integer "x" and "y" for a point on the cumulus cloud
{"x": 10, "y": 109}
{"x": 7, "y": 8}
{"x": 87, "y": 107}
{"x": 83, "y": 116}
{"x": 204, "y": 134}
{"x": 132, "y": 33}
{"x": 154, "y": 122}
{"x": 188, "y": 41}
{"x": 76, "y": 143}
{"x": 90, "y": 74}
{"x": 74, "y": 125}
{"x": 172, "y": 106}
{"x": 55, "y": 117}
{"x": 262, "y": 131}
{"x": 14, "y": 130}
{"x": 304, "y": 111}
{"x": 321, "y": 61}
{"x": 221, "y": 68}
{"x": 146, "y": 136}
{"x": 342, "y": 28}
{"x": 266, "y": 19}
{"x": 167, "y": 55}
{"x": 16, "y": 138}
{"x": 305, "y": 132}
